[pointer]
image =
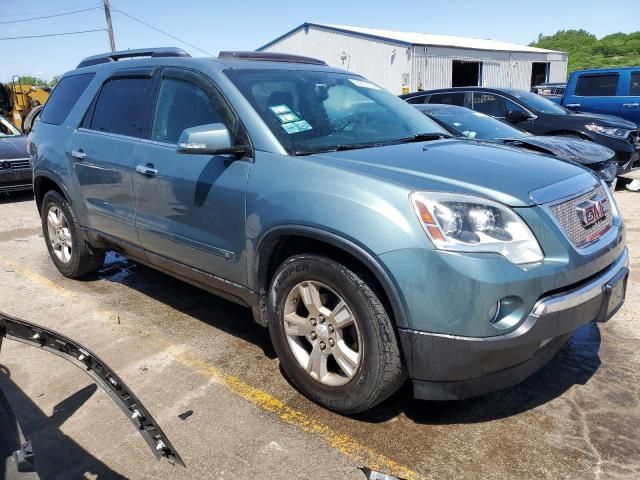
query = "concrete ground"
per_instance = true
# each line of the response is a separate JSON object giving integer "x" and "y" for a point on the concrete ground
{"x": 182, "y": 349}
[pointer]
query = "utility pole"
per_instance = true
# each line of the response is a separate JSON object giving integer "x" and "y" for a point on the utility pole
{"x": 107, "y": 14}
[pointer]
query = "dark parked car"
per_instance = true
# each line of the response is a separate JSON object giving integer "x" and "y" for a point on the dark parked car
{"x": 15, "y": 167}
{"x": 541, "y": 116}
{"x": 462, "y": 122}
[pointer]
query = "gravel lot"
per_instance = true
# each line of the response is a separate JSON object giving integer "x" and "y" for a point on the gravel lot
{"x": 182, "y": 349}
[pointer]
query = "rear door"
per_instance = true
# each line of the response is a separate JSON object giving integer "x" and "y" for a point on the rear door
{"x": 449, "y": 98}
{"x": 103, "y": 151}
{"x": 596, "y": 93}
{"x": 191, "y": 208}
{"x": 630, "y": 106}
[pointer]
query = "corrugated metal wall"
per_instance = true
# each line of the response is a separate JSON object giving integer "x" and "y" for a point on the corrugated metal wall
{"x": 389, "y": 64}
{"x": 381, "y": 62}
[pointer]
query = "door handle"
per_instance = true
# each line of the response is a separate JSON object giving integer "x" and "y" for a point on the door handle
{"x": 631, "y": 105}
{"x": 78, "y": 154}
{"x": 572, "y": 105}
{"x": 147, "y": 170}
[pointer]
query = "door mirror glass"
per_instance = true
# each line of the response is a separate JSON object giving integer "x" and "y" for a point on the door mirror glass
{"x": 516, "y": 116}
{"x": 210, "y": 139}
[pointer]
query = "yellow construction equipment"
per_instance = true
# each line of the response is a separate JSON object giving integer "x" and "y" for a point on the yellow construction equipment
{"x": 18, "y": 99}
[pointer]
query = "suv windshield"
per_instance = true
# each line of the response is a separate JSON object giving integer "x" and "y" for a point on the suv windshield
{"x": 315, "y": 111}
{"x": 8, "y": 130}
{"x": 471, "y": 124}
{"x": 541, "y": 104}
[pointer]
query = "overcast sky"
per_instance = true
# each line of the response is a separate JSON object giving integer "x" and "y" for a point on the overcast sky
{"x": 214, "y": 25}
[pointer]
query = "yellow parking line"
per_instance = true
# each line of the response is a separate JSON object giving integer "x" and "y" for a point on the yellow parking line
{"x": 348, "y": 446}
{"x": 345, "y": 444}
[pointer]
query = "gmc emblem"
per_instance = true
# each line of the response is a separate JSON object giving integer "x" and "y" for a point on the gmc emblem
{"x": 593, "y": 210}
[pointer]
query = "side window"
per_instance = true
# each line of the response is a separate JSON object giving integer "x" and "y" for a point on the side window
{"x": 489, "y": 104}
{"x": 64, "y": 97}
{"x": 455, "y": 98}
{"x": 597, "y": 85}
{"x": 634, "y": 88}
{"x": 416, "y": 100}
{"x": 182, "y": 104}
{"x": 512, "y": 106}
{"x": 121, "y": 107}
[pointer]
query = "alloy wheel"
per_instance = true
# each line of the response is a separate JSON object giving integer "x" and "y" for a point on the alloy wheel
{"x": 322, "y": 333}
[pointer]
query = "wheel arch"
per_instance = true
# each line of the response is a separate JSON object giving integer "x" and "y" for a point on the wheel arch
{"x": 284, "y": 241}
{"x": 44, "y": 182}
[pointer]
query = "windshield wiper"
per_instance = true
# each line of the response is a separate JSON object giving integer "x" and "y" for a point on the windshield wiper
{"x": 341, "y": 148}
{"x": 424, "y": 137}
{"x": 418, "y": 137}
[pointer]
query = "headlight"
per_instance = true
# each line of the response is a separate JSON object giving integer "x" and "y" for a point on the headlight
{"x": 464, "y": 223}
{"x": 607, "y": 171}
{"x": 608, "y": 131}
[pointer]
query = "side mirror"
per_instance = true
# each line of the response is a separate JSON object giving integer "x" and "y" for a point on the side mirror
{"x": 210, "y": 139}
{"x": 515, "y": 116}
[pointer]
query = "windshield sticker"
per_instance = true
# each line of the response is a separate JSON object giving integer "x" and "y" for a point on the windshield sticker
{"x": 363, "y": 84}
{"x": 284, "y": 114}
{"x": 296, "y": 127}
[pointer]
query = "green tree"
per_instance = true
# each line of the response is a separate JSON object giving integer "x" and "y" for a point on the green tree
{"x": 585, "y": 50}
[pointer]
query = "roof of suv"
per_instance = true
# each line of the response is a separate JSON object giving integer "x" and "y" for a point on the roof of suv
{"x": 226, "y": 59}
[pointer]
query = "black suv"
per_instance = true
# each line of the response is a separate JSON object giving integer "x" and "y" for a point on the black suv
{"x": 541, "y": 116}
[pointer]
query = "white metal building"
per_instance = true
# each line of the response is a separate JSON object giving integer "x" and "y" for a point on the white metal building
{"x": 404, "y": 62}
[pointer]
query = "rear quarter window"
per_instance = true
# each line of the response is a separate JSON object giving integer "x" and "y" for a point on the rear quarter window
{"x": 597, "y": 85}
{"x": 64, "y": 97}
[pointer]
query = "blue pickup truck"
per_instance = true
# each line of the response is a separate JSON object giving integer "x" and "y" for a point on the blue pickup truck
{"x": 612, "y": 91}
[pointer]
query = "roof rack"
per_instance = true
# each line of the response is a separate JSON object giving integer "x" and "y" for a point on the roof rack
{"x": 269, "y": 57}
{"x": 140, "y": 52}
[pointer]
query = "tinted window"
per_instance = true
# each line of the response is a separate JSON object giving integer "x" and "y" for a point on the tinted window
{"x": 448, "y": 98}
{"x": 64, "y": 97}
{"x": 597, "y": 85}
{"x": 416, "y": 100}
{"x": 537, "y": 103}
{"x": 182, "y": 104}
{"x": 472, "y": 124}
{"x": 121, "y": 106}
{"x": 635, "y": 84}
{"x": 489, "y": 104}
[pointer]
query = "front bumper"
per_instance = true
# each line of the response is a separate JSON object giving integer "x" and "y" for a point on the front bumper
{"x": 452, "y": 367}
{"x": 13, "y": 180}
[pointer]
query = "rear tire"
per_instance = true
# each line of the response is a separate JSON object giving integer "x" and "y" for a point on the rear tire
{"x": 70, "y": 253}
{"x": 337, "y": 344}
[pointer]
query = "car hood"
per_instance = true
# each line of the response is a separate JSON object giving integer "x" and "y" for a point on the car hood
{"x": 576, "y": 150}
{"x": 502, "y": 173}
{"x": 598, "y": 119}
{"x": 13, "y": 147}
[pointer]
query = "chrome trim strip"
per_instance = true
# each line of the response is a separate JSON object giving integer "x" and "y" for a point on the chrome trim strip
{"x": 564, "y": 189}
{"x": 583, "y": 294}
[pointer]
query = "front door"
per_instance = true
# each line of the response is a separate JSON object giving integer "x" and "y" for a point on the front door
{"x": 630, "y": 106}
{"x": 191, "y": 208}
{"x": 102, "y": 152}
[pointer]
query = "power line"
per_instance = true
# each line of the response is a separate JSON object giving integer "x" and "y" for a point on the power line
{"x": 54, "y": 34}
{"x": 52, "y": 10}
{"x": 50, "y": 16}
{"x": 117, "y": 10}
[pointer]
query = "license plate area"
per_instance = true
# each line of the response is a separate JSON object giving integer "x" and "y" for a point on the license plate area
{"x": 614, "y": 293}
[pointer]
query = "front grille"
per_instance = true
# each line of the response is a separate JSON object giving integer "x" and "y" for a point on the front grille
{"x": 634, "y": 138}
{"x": 566, "y": 214}
{"x": 15, "y": 164}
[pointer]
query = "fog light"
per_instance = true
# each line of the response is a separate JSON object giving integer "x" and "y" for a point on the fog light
{"x": 510, "y": 311}
{"x": 493, "y": 312}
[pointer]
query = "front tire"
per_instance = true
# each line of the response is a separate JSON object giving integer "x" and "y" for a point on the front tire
{"x": 332, "y": 334}
{"x": 70, "y": 253}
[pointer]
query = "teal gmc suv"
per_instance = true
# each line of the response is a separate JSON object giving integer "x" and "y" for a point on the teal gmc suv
{"x": 373, "y": 245}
